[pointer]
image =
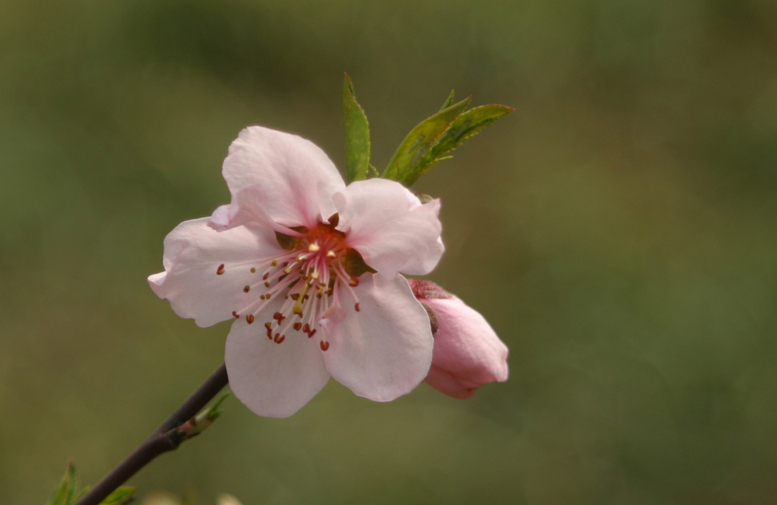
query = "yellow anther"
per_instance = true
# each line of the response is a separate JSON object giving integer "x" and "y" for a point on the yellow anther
{"x": 315, "y": 274}
{"x": 274, "y": 263}
{"x": 314, "y": 247}
{"x": 330, "y": 254}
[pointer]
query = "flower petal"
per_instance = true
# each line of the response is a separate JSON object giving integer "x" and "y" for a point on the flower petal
{"x": 273, "y": 380}
{"x": 194, "y": 254}
{"x": 465, "y": 345}
{"x": 297, "y": 177}
{"x": 446, "y": 383}
{"x": 390, "y": 227}
{"x": 384, "y": 350}
{"x": 248, "y": 208}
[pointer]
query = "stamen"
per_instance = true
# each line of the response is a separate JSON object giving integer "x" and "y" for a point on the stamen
{"x": 220, "y": 269}
{"x": 250, "y": 318}
{"x": 246, "y": 289}
{"x": 253, "y": 270}
{"x": 235, "y": 314}
{"x": 356, "y": 306}
{"x": 279, "y": 338}
{"x": 324, "y": 345}
{"x": 314, "y": 247}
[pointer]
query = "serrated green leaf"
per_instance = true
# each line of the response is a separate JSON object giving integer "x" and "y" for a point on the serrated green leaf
{"x": 65, "y": 491}
{"x": 466, "y": 126}
{"x": 448, "y": 102}
{"x": 119, "y": 496}
{"x": 420, "y": 140}
{"x": 357, "y": 135}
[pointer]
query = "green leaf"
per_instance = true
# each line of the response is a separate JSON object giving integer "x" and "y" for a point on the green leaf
{"x": 357, "y": 135}
{"x": 466, "y": 126}
{"x": 119, "y": 496}
{"x": 420, "y": 140}
{"x": 64, "y": 493}
{"x": 448, "y": 102}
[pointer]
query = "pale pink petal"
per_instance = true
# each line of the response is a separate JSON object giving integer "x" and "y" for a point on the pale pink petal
{"x": 297, "y": 177}
{"x": 193, "y": 255}
{"x": 390, "y": 227}
{"x": 465, "y": 345}
{"x": 384, "y": 350}
{"x": 446, "y": 383}
{"x": 273, "y": 380}
{"x": 248, "y": 208}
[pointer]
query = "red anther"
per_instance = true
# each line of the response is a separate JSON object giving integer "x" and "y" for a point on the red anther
{"x": 353, "y": 282}
{"x": 310, "y": 335}
{"x": 306, "y": 328}
{"x": 246, "y": 289}
{"x": 324, "y": 345}
{"x": 250, "y": 318}
{"x": 297, "y": 326}
{"x": 220, "y": 269}
{"x": 265, "y": 276}
{"x": 277, "y": 316}
{"x": 357, "y": 308}
{"x": 294, "y": 296}
{"x": 279, "y": 338}
{"x": 306, "y": 297}
{"x": 269, "y": 333}
{"x": 235, "y": 314}
{"x": 268, "y": 325}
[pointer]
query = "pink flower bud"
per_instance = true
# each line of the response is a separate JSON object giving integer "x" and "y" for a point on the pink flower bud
{"x": 467, "y": 353}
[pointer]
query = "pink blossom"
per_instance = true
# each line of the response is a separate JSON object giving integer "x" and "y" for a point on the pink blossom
{"x": 467, "y": 352}
{"x": 309, "y": 270}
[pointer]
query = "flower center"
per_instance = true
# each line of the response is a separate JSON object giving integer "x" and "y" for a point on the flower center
{"x": 309, "y": 277}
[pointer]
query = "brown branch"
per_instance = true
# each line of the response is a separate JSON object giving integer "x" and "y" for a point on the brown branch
{"x": 166, "y": 438}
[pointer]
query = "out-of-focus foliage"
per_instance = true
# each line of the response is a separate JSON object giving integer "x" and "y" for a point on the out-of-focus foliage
{"x": 618, "y": 230}
{"x": 67, "y": 492}
{"x": 165, "y": 498}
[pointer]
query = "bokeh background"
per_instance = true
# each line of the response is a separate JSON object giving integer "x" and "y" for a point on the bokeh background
{"x": 618, "y": 230}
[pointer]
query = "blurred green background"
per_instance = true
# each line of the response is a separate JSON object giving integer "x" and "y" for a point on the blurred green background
{"x": 618, "y": 230}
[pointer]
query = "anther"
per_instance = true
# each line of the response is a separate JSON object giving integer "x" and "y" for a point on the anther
{"x": 262, "y": 297}
{"x": 268, "y": 325}
{"x": 356, "y": 306}
{"x": 324, "y": 345}
{"x": 310, "y": 335}
{"x": 279, "y": 338}
{"x": 250, "y": 318}
{"x": 277, "y": 316}
{"x": 253, "y": 270}
{"x": 246, "y": 289}
{"x": 330, "y": 254}
{"x": 235, "y": 314}
{"x": 269, "y": 333}
{"x": 297, "y": 326}
{"x": 306, "y": 328}
{"x": 267, "y": 284}
{"x": 274, "y": 263}
{"x": 265, "y": 276}
{"x": 294, "y": 296}
{"x": 220, "y": 269}
{"x": 353, "y": 282}
{"x": 314, "y": 247}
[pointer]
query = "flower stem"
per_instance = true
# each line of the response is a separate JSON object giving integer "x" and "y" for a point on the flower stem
{"x": 164, "y": 439}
